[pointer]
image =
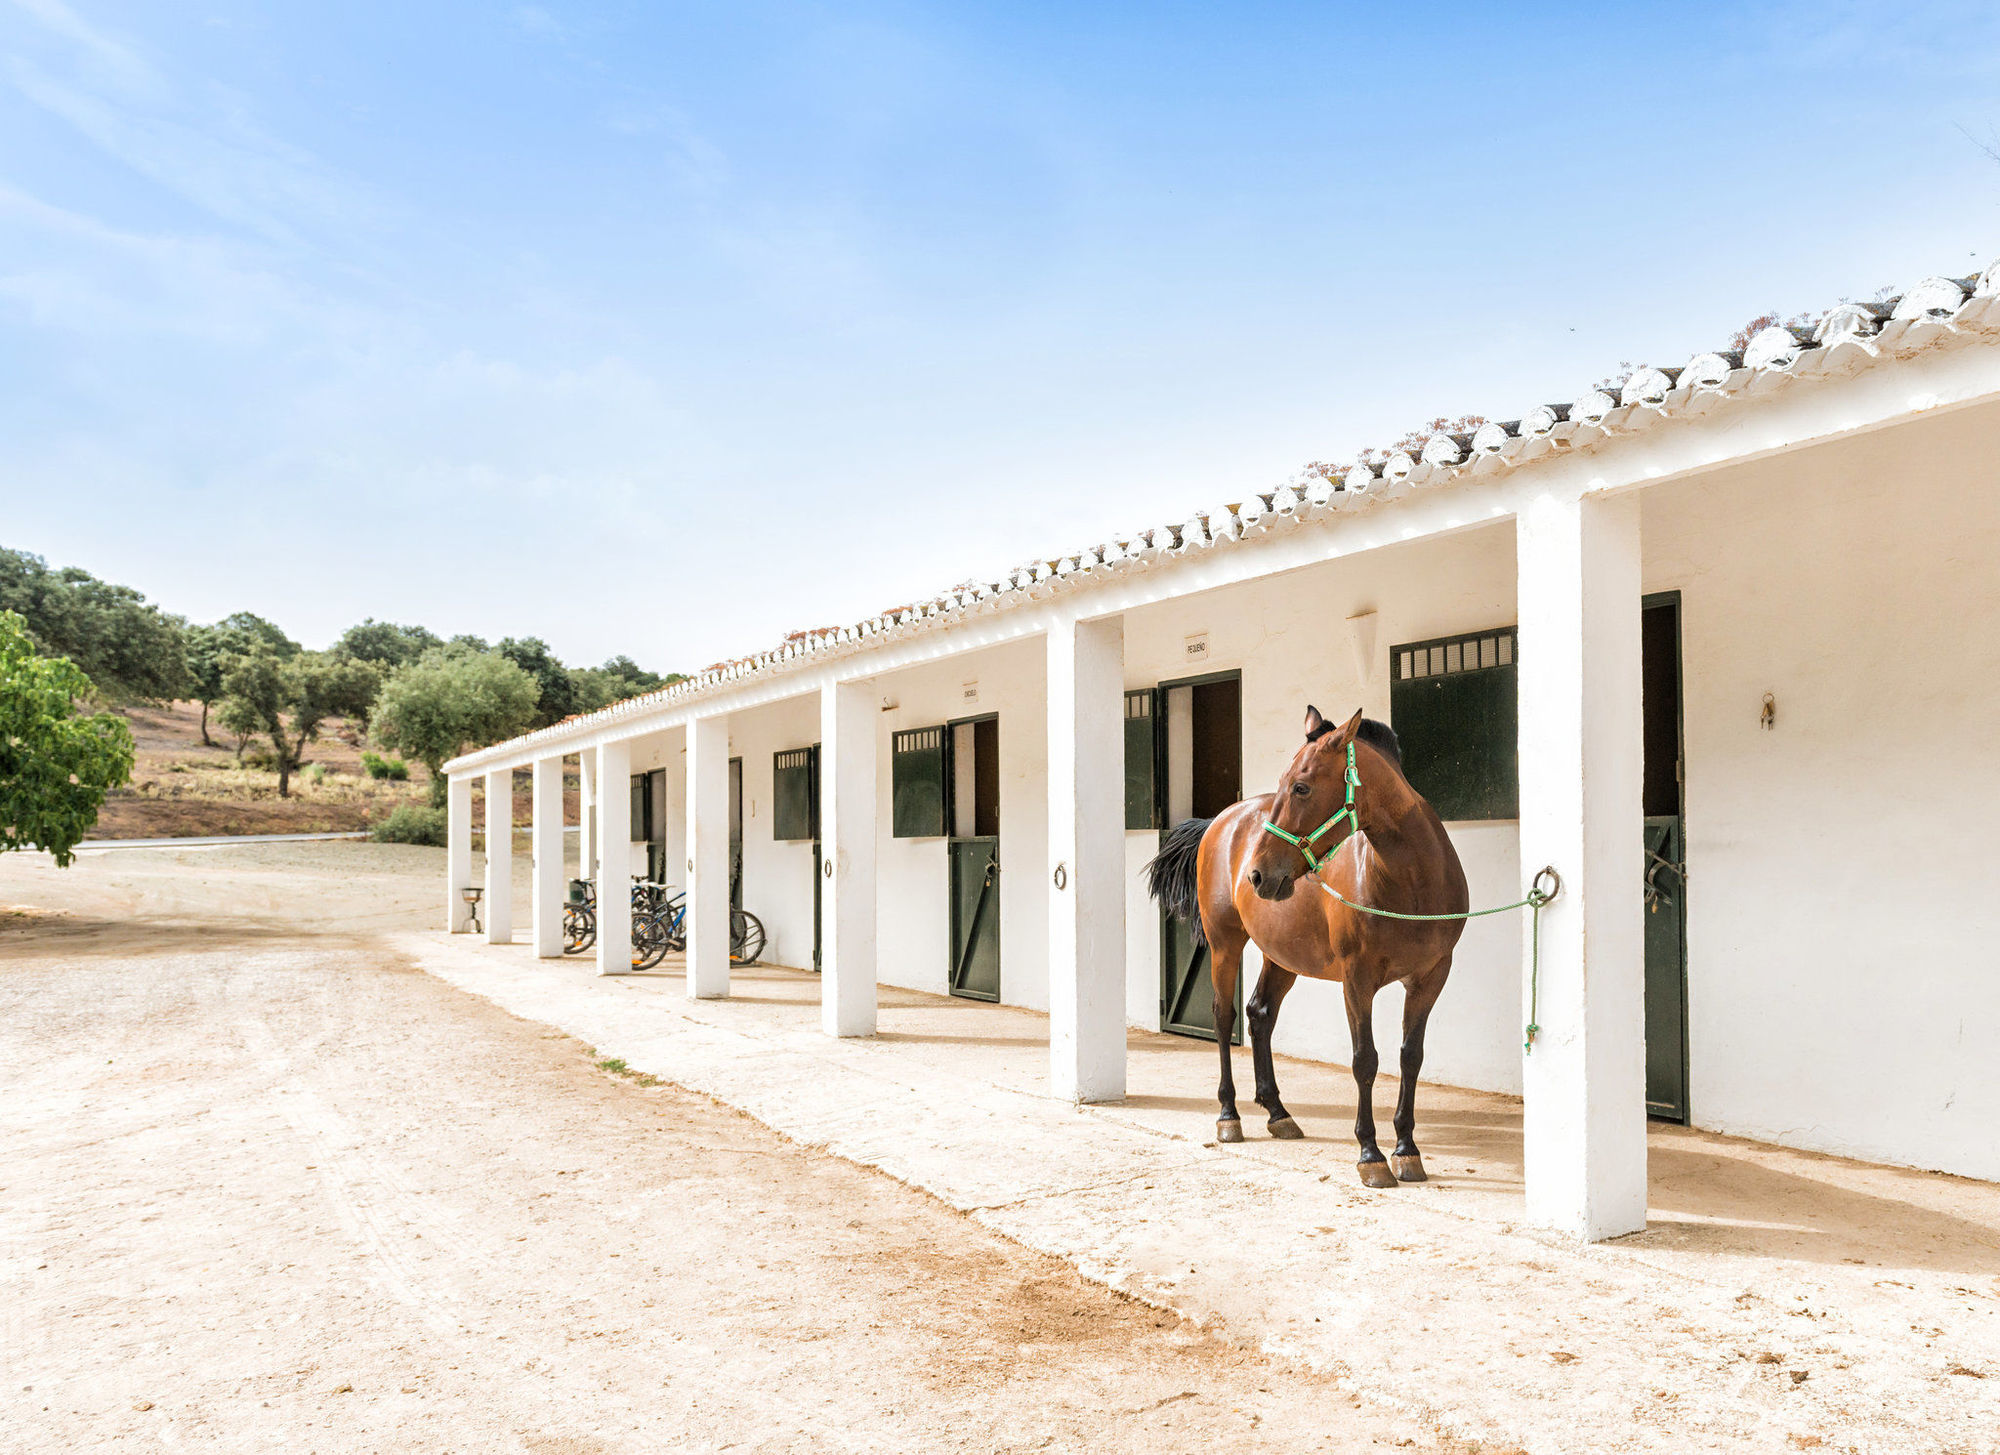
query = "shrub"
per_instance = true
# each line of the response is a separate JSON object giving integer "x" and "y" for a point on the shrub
{"x": 412, "y": 824}
{"x": 317, "y": 773}
{"x": 394, "y": 769}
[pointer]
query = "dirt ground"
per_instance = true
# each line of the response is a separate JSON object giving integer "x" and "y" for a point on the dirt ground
{"x": 265, "y": 1186}
{"x": 182, "y": 787}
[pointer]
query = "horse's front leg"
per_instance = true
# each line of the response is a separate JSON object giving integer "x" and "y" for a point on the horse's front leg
{"x": 1225, "y": 963}
{"x": 1262, "y": 1013}
{"x": 1408, "y": 1162}
{"x": 1361, "y": 1026}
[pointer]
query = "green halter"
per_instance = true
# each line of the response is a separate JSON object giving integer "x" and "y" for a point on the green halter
{"x": 1305, "y": 845}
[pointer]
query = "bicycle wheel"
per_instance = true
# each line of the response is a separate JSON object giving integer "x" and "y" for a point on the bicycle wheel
{"x": 649, "y": 941}
{"x": 746, "y": 937}
{"x": 579, "y": 929}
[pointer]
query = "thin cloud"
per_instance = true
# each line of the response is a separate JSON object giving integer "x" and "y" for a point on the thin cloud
{"x": 116, "y": 59}
{"x": 534, "y": 20}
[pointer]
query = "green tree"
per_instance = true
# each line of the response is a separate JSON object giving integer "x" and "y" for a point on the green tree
{"x": 616, "y": 680}
{"x": 128, "y": 648}
{"x": 56, "y": 765}
{"x": 449, "y": 700}
{"x": 241, "y": 720}
{"x": 210, "y": 650}
{"x": 385, "y": 643}
{"x": 290, "y": 698}
{"x": 253, "y": 629}
{"x": 532, "y": 655}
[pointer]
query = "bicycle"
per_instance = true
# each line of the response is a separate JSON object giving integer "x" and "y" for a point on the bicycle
{"x": 579, "y": 921}
{"x": 746, "y": 931}
{"x": 659, "y": 925}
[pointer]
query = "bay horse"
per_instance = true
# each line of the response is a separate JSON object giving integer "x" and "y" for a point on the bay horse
{"x": 1344, "y": 813}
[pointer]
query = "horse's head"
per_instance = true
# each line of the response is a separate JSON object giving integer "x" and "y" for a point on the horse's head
{"x": 1311, "y": 794}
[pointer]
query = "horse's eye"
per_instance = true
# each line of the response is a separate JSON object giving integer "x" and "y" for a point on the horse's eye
{"x": 1301, "y": 790}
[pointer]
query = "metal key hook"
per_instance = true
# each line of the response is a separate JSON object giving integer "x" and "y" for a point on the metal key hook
{"x": 1546, "y": 875}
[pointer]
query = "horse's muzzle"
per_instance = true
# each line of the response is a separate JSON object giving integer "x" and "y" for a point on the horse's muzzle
{"x": 1274, "y": 887}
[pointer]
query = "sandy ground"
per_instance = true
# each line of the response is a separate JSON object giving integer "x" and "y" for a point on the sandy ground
{"x": 264, "y": 1186}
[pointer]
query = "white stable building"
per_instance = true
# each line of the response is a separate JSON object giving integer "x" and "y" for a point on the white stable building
{"x": 1722, "y": 646}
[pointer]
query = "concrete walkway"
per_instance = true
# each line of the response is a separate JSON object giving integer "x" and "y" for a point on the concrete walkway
{"x": 212, "y": 841}
{"x": 1778, "y": 1300}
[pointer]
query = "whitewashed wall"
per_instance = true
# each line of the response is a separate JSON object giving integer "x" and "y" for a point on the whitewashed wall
{"x": 1844, "y": 904}
{"x": 777, "y": 874}
{"x": 914, "y": 921}
{"x": 1844, "y": 981}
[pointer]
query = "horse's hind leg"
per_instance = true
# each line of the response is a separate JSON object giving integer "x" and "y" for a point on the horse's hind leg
{"x": 1225, "y": 963}
{"x": 1361, "y": 1026}
{"x": 1262, "y": 1014}
{"x": 1407, "y": 1162}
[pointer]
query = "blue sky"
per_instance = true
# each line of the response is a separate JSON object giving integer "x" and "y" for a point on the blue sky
{"x": 664, "y": 329}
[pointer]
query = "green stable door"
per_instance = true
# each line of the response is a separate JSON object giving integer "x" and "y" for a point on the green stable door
{"x": 1197, "y": 733}
{"x": 972, "y": 767}
{"x": 1665, "y": 863}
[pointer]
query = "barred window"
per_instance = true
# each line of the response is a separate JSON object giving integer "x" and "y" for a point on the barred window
{"x": 1454, "y": 704}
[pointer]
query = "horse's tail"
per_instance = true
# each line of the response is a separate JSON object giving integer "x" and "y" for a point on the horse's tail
{"x": 1170, "y": 874}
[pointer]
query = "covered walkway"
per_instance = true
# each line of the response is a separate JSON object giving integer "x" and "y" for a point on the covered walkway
{"x": 1777, "y": 1299}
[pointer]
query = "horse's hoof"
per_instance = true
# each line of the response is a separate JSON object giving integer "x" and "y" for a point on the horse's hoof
{"x": 1409, "y": 1169}
{"x": 1378, "y": 1175}
{"x": 1229, "y": 1131}
{"x": 1287, "y": 1130}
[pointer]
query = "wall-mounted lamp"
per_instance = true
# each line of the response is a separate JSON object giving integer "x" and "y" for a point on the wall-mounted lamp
{"x": 1768, "y": 718}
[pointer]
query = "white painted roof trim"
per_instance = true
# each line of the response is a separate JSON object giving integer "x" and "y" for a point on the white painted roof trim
{"x": 1849, "y": 337}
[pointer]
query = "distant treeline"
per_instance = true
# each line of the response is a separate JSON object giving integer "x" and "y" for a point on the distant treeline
{"x": 430, "y": 695}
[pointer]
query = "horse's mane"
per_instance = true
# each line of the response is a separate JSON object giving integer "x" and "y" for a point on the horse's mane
{"x": 1378, "y": 735}
{"x": 1382, "y": 738}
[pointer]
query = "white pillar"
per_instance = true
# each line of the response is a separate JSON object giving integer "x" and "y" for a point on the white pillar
{"x": 497, "y": 910}
{"x": 546, "y": 837}
{"x": 708, "y": 858}
{"x": 458, "y": 853}
{"x": 673, "y": 832}
{"x": 1086, "y": 696}
{"x": 847, "y": 838}
{"x": 586, "y": 825}
{"x": 614, "y": 856}
{"x": 1581, "y": 737}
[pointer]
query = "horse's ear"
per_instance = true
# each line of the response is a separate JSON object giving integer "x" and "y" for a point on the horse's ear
{"x": 1315, "y": 724}
{"x": 1350, "y": 729}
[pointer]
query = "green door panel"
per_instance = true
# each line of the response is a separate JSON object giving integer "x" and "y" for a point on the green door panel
{"x": 1141, "y": 753}
{"x": 917, "y": 777}
{"x": 1187, "y": 1001}
{"x": 793, "y": 816}
{"x": 975, "y": 918}
{"x": 1666, "y": 970}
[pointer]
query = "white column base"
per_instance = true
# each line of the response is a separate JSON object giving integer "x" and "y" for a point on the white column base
{"x": 708, "y": 858}
{"x": 458, "y": 855}
{"x": 847, "y": 768}
{"x": 1582, "y": 811}
{"x": 614, "y": 859}
{"x": 498, "y": 908}
{"x": 546, "y": 836}
{"x": 1086, "y": 781}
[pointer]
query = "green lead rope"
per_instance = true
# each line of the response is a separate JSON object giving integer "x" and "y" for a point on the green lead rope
{"x": 1537, "y": 896}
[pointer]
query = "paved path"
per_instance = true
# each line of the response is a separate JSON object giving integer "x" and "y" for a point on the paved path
{"x": 1779, "y": 1300}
